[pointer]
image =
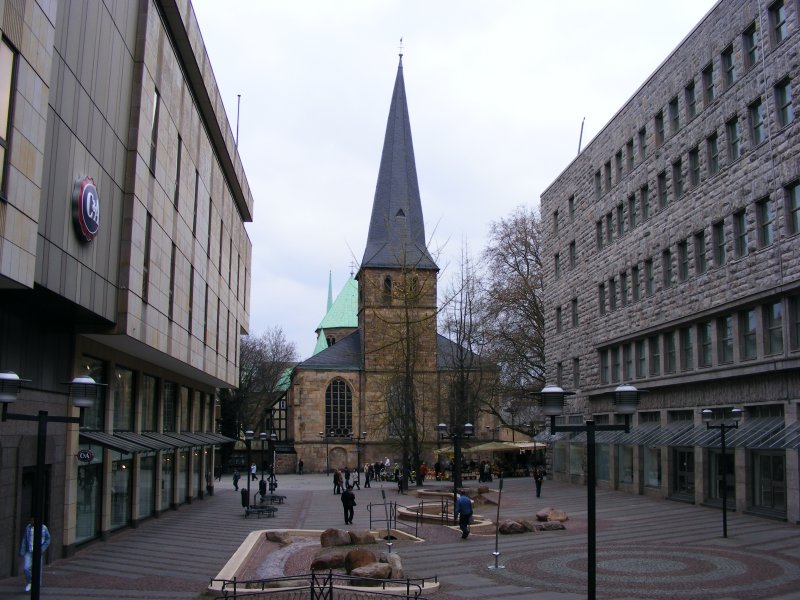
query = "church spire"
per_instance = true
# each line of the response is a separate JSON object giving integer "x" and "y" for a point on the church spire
{"x": 396, "y": 230}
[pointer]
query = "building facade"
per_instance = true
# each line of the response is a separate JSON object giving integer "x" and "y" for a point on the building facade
{"x": 123, "y": 256}
{"x": 674, "y": 265}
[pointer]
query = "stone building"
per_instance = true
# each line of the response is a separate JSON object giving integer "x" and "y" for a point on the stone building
{"x": 351, "y": 385}
{"x": 674, "y": 265}
{"x": 123, "y": 256}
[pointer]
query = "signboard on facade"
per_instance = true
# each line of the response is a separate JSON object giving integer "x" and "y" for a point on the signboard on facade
{"x": 86, "y": 208}
{"x": 86, "y": 455}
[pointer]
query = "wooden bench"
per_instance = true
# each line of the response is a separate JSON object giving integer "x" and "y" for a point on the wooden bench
{"x": 273, "y": 499}
{"x": 266, "y": 510}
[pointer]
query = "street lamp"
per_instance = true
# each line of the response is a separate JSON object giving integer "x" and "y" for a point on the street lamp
{"x": 83, "y": 390}
{"x": 327, "y": 454}
{"x": 358, "y": 439}
{"x": 248, "y": 440}
{"x": 626, "y": 399}
{"x": 457, "y": 434}
{"x": 273, "y": 481}
{"x": 708, "y": 417}
{"x": 263, "y": 437}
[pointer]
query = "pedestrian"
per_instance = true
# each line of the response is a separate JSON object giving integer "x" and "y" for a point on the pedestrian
{"x": 346, "y": 475}
{"x": 236, "y": 477}
{"x": 538, "y": 477}
{"x": 26, "y": 552}
{"x": 348, "y": 502}
{"x": 423, "y": 473}
{"x": 357, "y": 478}
{"x": 300, "y": 467}
{"x": 253, "y": 471}
{"x": 218, "y": 472}
{"x": 337, "y": 481}
{"x": 437, "y": 469}
{"x": 368, "y": 470}
{"x": 463, "y": 511}
{"x": 487, "y": 471}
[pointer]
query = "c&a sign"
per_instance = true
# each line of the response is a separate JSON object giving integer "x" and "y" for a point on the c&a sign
{"x": 86, "y": 208}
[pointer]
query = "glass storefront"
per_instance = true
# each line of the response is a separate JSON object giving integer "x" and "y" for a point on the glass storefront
{"x": 94, "y": 415}
{"x": 147, "y": 478}
{"x": 121, "y": 471}
{"x": 625, "y": 464}
{"x": 560, "y": 457}
{"x": 652, "y": 467}
{"x": 601, "y": 461}
{"x": 576, "y": 459}
{"x": 90, "y": 489}
{"x": 769, "y": 481}
{"x": 717, "y": 465}
{"x": 183, "y": 475}
{"x": 197, "y": 459}
{"x": 167, "y": 470}
{"x": 683, "y": 469}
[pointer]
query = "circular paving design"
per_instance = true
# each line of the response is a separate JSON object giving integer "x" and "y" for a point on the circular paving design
{"x": 658, "y": 571}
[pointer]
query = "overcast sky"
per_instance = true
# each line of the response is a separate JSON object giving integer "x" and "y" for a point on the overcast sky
{"x": 496, "y": 94}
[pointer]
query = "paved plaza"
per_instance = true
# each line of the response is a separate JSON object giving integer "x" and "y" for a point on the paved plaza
{"x": 653, "y": 549}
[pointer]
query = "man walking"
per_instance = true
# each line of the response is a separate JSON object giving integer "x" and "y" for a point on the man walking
{"x": 348, "y": 502}
{"x": 253, "y": 471}
{"x": 463, "y": 511}
{"x": 26, "y": 552}
{"x": 538, "y": 477}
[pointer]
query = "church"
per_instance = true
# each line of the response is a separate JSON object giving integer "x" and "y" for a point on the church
{"x": 380, "y": 378}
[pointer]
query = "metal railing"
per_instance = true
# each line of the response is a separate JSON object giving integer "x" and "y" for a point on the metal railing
{"x": 321, "y": 586}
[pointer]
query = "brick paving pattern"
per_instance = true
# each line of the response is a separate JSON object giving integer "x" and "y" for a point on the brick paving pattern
{"x": 646, "y": 548}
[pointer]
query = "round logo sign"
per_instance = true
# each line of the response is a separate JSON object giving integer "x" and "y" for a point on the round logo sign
{"x": 86, "y": 204}
{"x": 86, "y": 456}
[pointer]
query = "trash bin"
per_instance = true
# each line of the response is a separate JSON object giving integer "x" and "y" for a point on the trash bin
{"x": 245, "y": 502}
{"x": 262, "y": 487}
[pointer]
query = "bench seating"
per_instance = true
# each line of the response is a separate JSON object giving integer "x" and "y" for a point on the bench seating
{"x": 267, "y": 510}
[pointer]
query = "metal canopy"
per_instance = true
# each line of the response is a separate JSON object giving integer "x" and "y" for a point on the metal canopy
{"x": 113, "y": 442}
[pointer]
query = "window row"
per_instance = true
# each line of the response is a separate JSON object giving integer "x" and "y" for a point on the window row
{"x": 751, "y": 333}
{"x": 734, "y": 237}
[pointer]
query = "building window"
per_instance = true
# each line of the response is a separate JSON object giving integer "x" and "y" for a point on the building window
{"x": 655, "y": 355}
{"x": 598, "y": 227}
{"x": 704, "y": 344}
{"x": 574, "y": 311}
{"x": 603, "y": 366}
{"x": 615, "y": 364}
{"x": 694, "y": 167}
{"x": 576, "y": 373}
{"x": 674, "y": 115}
{"x": 191, "y": 298}
{"x": 794, "y": 322}
{"x": 601, "y": 298}
{"x": 612, "y": 293}
{"x": 777, "y": 22}
{"x": 609, "y": 228}
{"x": 687, "y": 350}
{"x": 728, "y": 66}
{"x": 641, "y": 359}
{"x": 750, "y": 46}
{"x": 773, "y": 328}
{"x": 636, "y": 287}
{"x": 740, "y": 233}
{"x": 725, "y": 339}
{"x": 178, "y": 174}
{"x": 571, "y": 208}
{"x": 649, "y": 277}
{"x": 644, "y": 201}
{"x": 148, "y": 236}
{"x": 170, "y": 405}
{"x": 8, "y": 61}
{"x": 708, "y": 85}
{"x": 555, "y": 222}
{"x": 690, "y": 96}
{"x": 557, "y": 265}
{"x": 154, "y": 130}
{"x": 598, "y": 191}
{"x": 642, "y": 144}
{"x": 793, "y": 208}
{"x": 718, "y": 234}
{"x": 196, "y": 192}
{"x": 618, "y": 165}
{"x": 629, "y": 154}
{"x": 734, "y": 148}
{"x": 632, "y": 210}
{"x": 783, "y": 101}
{"x": 558, "y": 319}
{"x": 700, "y": 265}
{"x": 661, "y": 185}
{"x": 627, "y": 362}
{"x": 171, "y": 299}
{"x": 338, "y": 408}
{"x": 123, "y": 399}
{"x": 683, "y": 261}
{"x": 623, "y": 288}
{"x": 712, "y": 150}
{"x": 573, "y": 255}
{"x": 747, "y": 334}
{"x": 765, "y": 221}
{"x": 659, "y": 124}
{"x": 670, "y": 357}
{"x": 607, "y": 172}
{"x": 757, "y": 124}
{"x": 559, "y": 373}
{"x": 620, "y": 220}
{"x": 666, "y": 267}
{"x": 387, "y": 284}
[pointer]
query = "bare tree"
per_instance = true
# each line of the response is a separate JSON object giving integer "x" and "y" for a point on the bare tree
{"x": 515, "y": 312}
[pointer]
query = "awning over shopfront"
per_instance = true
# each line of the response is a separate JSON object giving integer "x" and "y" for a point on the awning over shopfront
{"x": 113, "y": 442}
{"x": 499, "y": 446}
{"x": 152, "y": 441}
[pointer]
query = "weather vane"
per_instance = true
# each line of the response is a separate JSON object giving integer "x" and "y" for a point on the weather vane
{"x": 353, "y": 265}
{"x": 400, "y": 47}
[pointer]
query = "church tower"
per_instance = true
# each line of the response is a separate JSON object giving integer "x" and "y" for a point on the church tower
{"x": 397, "y": 277}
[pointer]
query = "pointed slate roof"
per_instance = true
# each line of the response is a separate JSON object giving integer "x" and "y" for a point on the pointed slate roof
{"x": 344, "y": 355}
{"x": 396, "y": 230}
{"x": 322, "y": 342}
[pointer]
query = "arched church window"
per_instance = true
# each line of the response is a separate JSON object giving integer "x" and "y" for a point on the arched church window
{"x": 387, "y": 289}
{"x": 338, "y": 407}
{"x": 331, "y": 340}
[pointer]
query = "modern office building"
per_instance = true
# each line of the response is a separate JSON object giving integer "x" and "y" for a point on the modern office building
{"x": 673, "y": 264}
{"x": 123, "y": 256}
